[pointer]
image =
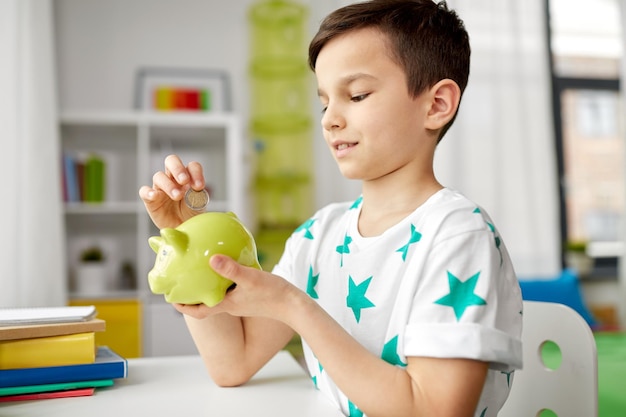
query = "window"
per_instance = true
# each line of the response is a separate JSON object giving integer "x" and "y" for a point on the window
{"x": 585, "y": 42}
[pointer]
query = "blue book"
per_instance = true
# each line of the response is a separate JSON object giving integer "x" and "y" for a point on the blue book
{"x": 71, "y": 179}
{"x": 108, "y": 365}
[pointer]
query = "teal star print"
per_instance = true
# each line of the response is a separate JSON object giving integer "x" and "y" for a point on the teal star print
{"x": 484, "y": 413}
{"x": 390, "y": 352}
{"x": 344, "y": 248}
{"x": 356, "y": 298}
{"x": 306, "y": 226}
{"x": 461, "y": 295}
{"x": 311, "y": 283}
{"x": 496, "y": 238}
{"x": 319, "y": 364}
{"x": 415, "y": 237}
{"x": 354, "y": 411}
{"x": 314, "y": 379}
{"x": 508, "y": 377}
{"x": 356, "y": 203}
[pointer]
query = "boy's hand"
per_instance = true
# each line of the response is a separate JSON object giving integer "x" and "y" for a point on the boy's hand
{"x": 256, "y": 294}
{"x": 164, "y": 201}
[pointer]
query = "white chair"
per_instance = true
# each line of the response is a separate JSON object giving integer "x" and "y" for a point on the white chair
{"x": 570, "y": 390}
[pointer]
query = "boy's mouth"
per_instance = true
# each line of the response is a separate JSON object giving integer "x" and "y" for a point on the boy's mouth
{"x": 343, "y": 146}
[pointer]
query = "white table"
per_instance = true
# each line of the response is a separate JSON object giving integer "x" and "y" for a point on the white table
{"x": 180, "y": 386}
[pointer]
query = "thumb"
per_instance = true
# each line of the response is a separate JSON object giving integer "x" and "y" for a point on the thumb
{"x": 225, "y": 266}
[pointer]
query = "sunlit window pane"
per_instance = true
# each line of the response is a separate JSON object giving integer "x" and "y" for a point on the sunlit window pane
{"x": 593, "y": 156}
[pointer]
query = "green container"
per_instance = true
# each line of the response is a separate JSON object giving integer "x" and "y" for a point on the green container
{"x": 278, "y": 29}
{"x": 270, "y": 245}
{"x": 280, "y": 88}
{"x": 283, "y": 202}
{"x": 285, "y": 153}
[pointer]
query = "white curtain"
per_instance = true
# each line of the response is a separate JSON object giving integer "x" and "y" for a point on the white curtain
{"x": 32, "y": 254}
{"x": 501, "y": 149}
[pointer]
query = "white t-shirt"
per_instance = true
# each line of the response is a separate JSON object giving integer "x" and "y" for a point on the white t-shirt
{"x": 437, "y": 284}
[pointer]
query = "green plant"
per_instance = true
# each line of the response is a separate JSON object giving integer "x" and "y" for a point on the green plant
{"x": 92, "y": 254}
{"x": 576, "y": 246}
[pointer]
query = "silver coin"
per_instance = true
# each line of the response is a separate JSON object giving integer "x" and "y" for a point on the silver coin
{"x": 196, "y": 200}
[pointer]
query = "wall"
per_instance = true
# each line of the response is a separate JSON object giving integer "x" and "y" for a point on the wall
{"x": 101, "y": 44}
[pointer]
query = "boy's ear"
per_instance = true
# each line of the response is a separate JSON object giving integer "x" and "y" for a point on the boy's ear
{"x": 445, "y": 98}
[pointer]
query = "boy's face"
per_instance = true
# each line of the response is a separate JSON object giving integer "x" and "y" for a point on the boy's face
{"x": 371, "y": 124}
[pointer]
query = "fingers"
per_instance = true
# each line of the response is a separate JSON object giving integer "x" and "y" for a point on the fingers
{"x": 176, "y": 170}
{"x": 176, "y": 177}
{"x": 197, "y": 311}
{"x": 162, "y": 181}
{"x": 197, "y": 176}
{"x": 147, "y": 194}
{"x": 163, "y": 200}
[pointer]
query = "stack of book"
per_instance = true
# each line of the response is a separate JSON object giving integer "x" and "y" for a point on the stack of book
{"x": 51, "y": 353}
{"x": 84, "y": 178}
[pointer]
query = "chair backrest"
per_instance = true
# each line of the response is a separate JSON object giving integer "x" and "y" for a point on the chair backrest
{"x": 567, "y": 389}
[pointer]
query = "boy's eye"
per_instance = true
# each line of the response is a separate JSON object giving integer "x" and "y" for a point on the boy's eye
{"x": 359, "y": 97}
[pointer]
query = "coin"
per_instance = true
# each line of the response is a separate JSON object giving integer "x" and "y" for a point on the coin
{"x": 196, "y": 200}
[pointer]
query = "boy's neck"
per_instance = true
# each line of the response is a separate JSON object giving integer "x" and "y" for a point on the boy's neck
{"x": 385, "y": 205}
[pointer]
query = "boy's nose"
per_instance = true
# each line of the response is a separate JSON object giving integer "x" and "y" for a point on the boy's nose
{"x": 332, "y": 119}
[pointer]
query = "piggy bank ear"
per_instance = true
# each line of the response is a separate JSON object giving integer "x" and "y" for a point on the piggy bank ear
{"x": 233, "y": 215}
{"x": 175, "y": 238}
{"x": 155, "y": 243}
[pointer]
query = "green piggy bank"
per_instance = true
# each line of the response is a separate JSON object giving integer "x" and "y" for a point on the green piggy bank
{"x": 181, "y": 270}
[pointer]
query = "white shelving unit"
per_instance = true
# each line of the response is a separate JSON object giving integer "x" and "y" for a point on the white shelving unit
{"x": 133, "y": 146}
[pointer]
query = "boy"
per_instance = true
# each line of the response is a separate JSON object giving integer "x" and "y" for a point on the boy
{"x": 406, "y": 299}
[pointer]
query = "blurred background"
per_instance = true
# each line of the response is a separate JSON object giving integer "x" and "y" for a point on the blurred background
{"x": 96, "y": 93}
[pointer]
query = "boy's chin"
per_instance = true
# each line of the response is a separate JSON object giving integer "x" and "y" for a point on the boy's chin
{"x": 350, "y": 174}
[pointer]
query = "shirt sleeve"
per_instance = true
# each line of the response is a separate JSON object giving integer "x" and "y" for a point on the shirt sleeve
{"x": 468, "y": 303}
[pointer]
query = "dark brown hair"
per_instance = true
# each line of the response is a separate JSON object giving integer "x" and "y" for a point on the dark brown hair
{"x": 426, "y": 39}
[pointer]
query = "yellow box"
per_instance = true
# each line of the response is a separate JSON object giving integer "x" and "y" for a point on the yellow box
{"x": 123, "y": 319}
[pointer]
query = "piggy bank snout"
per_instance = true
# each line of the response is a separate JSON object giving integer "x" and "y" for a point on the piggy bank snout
{"x": 159, "y": 284}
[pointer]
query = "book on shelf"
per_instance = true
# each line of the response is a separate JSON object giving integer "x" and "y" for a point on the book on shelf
{"x": 70, "y": 179}
{"x": 108, "y": 365}
{"x": 34, "y": 389}
{"x": 26, "y": 331}
{"x": 35, "y": 352}
{"x": 84, "y": 178}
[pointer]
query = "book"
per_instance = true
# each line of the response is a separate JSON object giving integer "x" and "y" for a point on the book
{"x": 108, "y": 365}
{"x": 80, "y": 392}
{"x": 45, "y": 315}
{"x": 70, "y": 178}
{"x": 68, "y": 349}
{"x": 32, "y": 389}
{"x": 94, "y": 179}
{"x": 26, "y": 331}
